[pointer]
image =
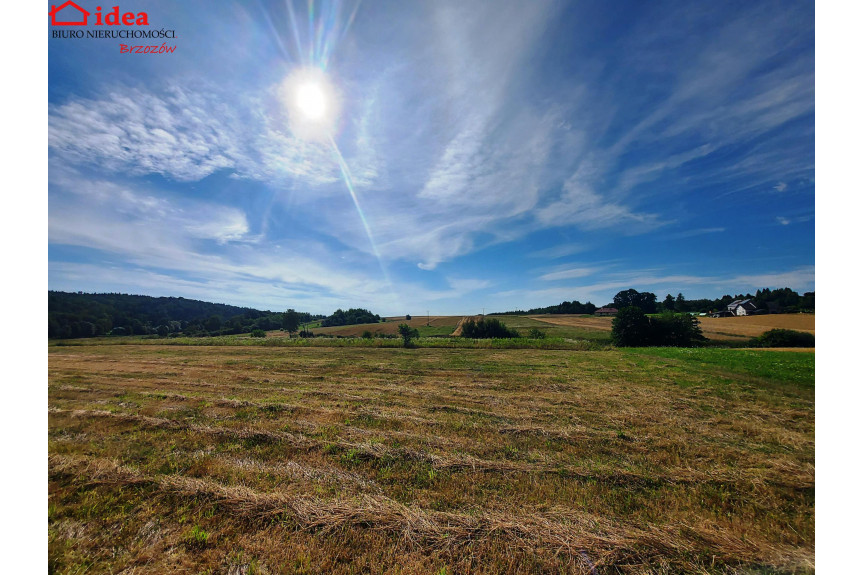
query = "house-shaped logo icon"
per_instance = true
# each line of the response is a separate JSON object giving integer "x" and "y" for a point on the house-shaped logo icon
{"x": 55, "y": 10}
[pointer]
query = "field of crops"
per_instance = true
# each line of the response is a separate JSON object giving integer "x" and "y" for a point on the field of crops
{"x": 200, "y": 459}
{"x": 723, "y": 328}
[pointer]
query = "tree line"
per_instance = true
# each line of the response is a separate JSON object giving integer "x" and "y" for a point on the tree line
{"x": 74, "y": 315}
{"x": 784, "y": 300}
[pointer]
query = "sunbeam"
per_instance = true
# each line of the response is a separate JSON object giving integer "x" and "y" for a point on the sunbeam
{"x": 346, "y": 176}
{"x": 312, "y": 99}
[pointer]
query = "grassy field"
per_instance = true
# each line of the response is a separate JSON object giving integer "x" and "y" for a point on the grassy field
{"x": 435, "y": 325}
{"x": 203, "y": 459}
{"x": 723, "y": 328}
{"x": 446, "y": 325}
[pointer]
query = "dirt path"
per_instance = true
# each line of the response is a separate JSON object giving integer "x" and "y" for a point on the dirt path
{"x": 457, "y": 331}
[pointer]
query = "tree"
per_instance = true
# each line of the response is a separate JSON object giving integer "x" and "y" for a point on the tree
{"x": 213, "y": 323}
{"x": 408, "y": 333}
{"x": 486, "y": 328}
{"x": 630, "y": 327}
{"x": 350, "y": 317}
{"x": 675, "y": 330}
{"x": 645, "y": 301}
{"x": 291, "y": 321}
{"x": 668, "y": 302}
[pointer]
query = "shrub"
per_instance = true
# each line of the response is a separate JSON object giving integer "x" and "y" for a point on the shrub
{"x": 306, "y": 333}
{"x": 784, "y": 338}
{"x": 258, "y": 333}
{"x": 675, "y": 330}
{"x": 632, "y": 328}
{"x": 535, "y": 333}
{"x": 367, "y": 334}
{"x": 486, "y": 329}
{"x": 408, "y": 333}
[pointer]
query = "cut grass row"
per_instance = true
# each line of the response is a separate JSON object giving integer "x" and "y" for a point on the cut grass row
{"x": 389, "y": 460}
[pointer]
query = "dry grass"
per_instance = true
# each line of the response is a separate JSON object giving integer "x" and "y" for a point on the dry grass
{"x": 458, "y": 328}
{"x": 733, "y": 328}
{"x": 325, "y": 460}
{"x": 753, "y": 326}
{"x": 597, "y": 323}
{"x": 389, "y": 327}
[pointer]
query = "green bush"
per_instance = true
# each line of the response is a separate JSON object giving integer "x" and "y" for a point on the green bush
{"x": 676, "y": 330}
{"x": 535, "y": 333}
{"x": 258, "y": 333}
{"x": 486, "y": 329}
{"x": 784, "y": 338}
{"x": 367, "y": 334}
{"x": 632, "y": 328}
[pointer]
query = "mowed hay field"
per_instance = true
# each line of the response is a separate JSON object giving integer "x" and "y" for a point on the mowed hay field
{"x": 170, "y": 459}
{"x": 434, "y": 325}
{"x": 728, "y": 328}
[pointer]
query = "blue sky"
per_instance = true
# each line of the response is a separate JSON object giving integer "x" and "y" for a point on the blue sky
{"x": 501, "y": 154}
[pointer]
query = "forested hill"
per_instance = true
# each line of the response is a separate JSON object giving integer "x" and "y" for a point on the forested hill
{"x": 87, "y": 315}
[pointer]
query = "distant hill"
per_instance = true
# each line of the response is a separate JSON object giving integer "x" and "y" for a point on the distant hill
{"x": 80, "y": 314}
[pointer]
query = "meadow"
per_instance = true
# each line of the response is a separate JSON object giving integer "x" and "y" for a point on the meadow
{"x": 265, "y": 459}
{"x": 728, "y": 329}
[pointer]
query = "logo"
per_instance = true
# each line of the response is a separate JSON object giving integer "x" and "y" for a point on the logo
{"x": 74, "y": 15}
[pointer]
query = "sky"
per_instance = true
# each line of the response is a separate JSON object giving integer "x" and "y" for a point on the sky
{"x": 473, "y": 155}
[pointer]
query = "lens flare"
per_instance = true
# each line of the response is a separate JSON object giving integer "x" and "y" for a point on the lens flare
{"x": 311, "y": 98}
{"x": 312, "y": 103}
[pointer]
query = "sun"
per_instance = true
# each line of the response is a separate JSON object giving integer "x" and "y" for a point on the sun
{"x": 312, "y": 103}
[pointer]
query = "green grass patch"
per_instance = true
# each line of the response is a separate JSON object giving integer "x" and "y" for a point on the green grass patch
{"x": 784, "y": 366}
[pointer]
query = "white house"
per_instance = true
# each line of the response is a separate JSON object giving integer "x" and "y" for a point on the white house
{"x": 742, "y": 307}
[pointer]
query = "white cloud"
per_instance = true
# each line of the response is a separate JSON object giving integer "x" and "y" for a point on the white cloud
{"x": 558, "y": 251}
{"x": 581, "y": 204}
{"x": 182, "y": 134}
{"x": 568, "y": 274}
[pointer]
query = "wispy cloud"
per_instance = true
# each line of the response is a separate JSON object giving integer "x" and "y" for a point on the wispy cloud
{"x": 567, "y": 274}
{"x": 559, "y": 251}
{"x": 695, "y": 232}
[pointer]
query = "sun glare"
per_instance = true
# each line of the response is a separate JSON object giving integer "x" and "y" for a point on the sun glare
{"x": 311, "y": 101}
{"x": 312, "y": 104}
